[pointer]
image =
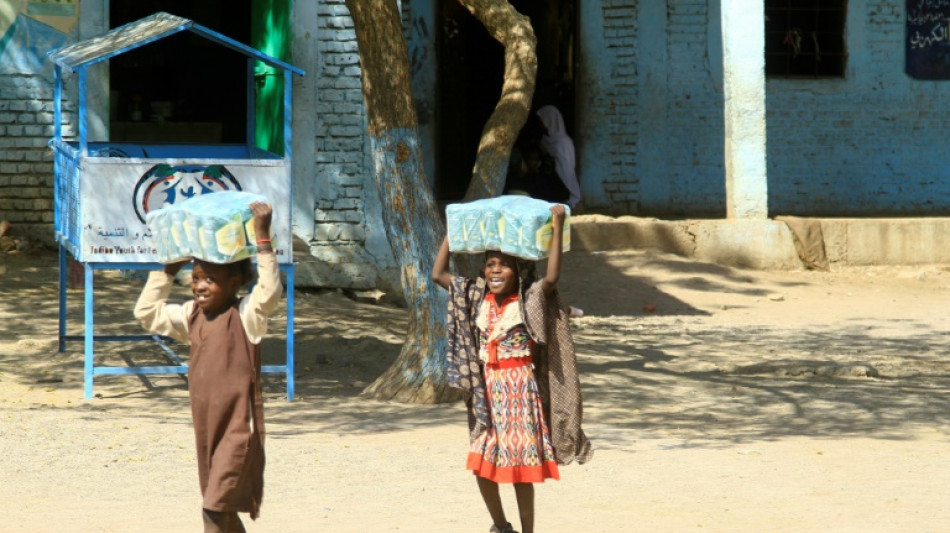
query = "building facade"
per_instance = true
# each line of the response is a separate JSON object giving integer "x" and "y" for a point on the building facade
{"x": 848, "y": 98}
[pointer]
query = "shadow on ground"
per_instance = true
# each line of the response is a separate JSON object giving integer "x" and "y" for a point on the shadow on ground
{"x": 743, "y": 384}
{"x": 643, "y": 376}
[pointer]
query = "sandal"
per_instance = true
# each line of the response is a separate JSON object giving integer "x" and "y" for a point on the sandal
{"x": 504, "y": 529}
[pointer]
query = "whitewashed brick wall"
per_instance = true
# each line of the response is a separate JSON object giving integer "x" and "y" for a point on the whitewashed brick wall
{"x": 26, "y": 161}
{"x": 339, "y": 143}
{"x": 348, "y": 239}
{"x": 622, "y": 186}
{"x": 695, "y": 115}
{"x": 871, "y": 143}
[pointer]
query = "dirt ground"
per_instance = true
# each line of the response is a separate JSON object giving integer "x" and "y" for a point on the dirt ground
{"x": 717, "y": 399}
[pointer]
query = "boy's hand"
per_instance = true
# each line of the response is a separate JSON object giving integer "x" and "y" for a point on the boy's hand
{"x": 172, "y": 268}
{"x": 557, "y": 216}
{"x": 262, "y": 217}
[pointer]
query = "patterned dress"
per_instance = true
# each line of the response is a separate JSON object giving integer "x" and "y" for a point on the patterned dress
{"x": 517, "y": 447}
{"x": 552, "y": 355}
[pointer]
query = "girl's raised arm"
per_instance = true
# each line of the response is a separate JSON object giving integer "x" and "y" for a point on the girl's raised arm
{"x": 553, "y": 273}
{"x": 440, "y": 270}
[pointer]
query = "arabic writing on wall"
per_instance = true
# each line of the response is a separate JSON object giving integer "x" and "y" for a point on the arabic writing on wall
{"x": 928, "y": 39}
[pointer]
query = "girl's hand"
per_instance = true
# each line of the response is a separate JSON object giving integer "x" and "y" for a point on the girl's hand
{"x": 262, "y": 218}
{"x": 557, "y": 216}
{"x": 440, "y": 269}
{"x": 553, "y": 273}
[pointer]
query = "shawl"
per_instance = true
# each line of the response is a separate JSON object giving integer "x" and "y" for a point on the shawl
{"x": 561, "y": 148}
{"x": 555, "y": 362}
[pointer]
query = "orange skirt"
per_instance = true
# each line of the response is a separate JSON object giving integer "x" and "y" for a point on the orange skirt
{"x": 516, "y": 448}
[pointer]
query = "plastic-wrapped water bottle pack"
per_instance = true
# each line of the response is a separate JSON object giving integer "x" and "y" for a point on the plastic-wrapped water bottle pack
{"x": 216, "y": 227}
{"x": 516, "y": 225}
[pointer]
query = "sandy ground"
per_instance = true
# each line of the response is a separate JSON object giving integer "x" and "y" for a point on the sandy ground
{"x": 745, "y": 402}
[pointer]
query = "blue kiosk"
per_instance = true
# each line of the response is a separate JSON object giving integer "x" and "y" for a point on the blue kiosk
{"x": 103, "y": 190}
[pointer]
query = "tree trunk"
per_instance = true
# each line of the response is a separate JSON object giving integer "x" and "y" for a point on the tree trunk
{"x": 513, "y": 30}
{"x": 413, "y": 225}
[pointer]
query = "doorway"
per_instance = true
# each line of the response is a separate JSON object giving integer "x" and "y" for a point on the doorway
{"x": 471, "y": 71}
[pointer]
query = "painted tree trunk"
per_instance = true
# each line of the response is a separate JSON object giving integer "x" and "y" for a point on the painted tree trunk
{"x": 413, "y": 225}
{"x": 513, "y": 30}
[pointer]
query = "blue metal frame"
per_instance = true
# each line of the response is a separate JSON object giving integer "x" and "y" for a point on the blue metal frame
{"x": 78, "y": 57}
{"x": 89, "y": 338}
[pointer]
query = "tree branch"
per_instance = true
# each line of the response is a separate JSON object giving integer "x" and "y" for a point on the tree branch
{"x": 513, "y": 30}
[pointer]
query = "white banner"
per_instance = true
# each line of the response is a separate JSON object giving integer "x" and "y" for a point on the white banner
{"x": 115, "y": 197}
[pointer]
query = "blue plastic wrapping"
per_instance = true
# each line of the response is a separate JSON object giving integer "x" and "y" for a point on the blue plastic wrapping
{"x": 216, "y": 227}
{"x": 517, "y": 225}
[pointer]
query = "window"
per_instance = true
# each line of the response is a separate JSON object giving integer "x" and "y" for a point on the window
{"x": 805, "y": 38}
{"x": 183, "y": 88}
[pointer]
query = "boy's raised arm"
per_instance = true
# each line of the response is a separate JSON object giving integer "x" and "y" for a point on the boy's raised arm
{"x": 553, "y": 274}
{"x": 264, "y": 298}
{"x": 440, "y": 270}
{"x": 152, "y": 309}
{"x": 262, "y": 219}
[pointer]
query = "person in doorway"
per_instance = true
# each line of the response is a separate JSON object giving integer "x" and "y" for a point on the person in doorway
{"x": 511, "y": 353}
{"x": 556, "y": 143}
{"x": 531, "y": 170}
{"x": 225, "y": 333}
{"x": 517, "y": 178}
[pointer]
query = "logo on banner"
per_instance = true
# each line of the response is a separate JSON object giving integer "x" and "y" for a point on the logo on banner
{"x": 165, "y": 184}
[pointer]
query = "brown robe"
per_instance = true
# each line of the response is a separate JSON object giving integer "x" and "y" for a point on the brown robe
{"x": 227, "y": 411}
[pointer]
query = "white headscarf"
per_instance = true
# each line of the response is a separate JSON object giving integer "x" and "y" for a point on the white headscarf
{"x": 561, "y": 148}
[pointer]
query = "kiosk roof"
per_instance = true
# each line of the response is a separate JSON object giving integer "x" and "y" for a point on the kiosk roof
{"x": 146, "y": 30}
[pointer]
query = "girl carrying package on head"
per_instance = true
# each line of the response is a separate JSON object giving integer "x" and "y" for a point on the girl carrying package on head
{"x": 511, "y": 353}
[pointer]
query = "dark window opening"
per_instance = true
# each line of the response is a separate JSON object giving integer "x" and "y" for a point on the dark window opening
{"x": 183, "y": 88}
{"x": 471, "y": 72}
{"x": 805, "y": 38}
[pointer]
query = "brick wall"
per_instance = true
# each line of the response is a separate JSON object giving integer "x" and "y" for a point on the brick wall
{"x": 662, "y": 112}
{"x": 872, "y": 143}
{"x": 621, "y": 186}
{"x": 339, "y": 140}
{"x": 347, "y": 234}
{"x": 695, "y": 121}
{"x": 26, "y": 161}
